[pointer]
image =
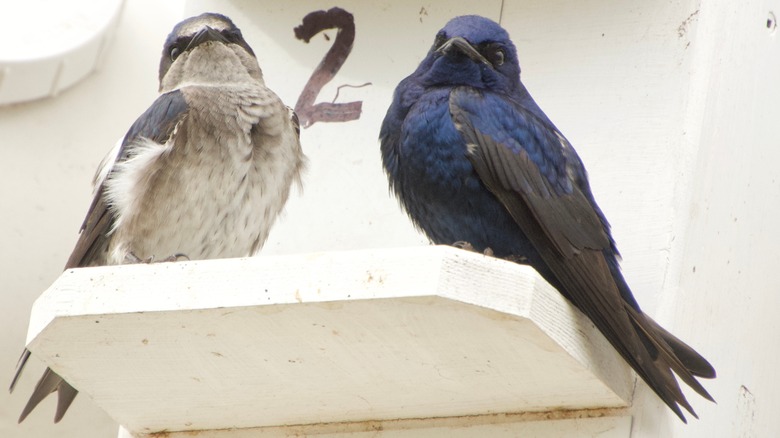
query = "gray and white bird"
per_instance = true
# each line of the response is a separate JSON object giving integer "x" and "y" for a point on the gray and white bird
{"x": 204, "y": 172}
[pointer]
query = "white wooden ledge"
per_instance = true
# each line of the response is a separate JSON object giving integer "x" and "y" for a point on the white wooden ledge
{"x": 382, "y": 337}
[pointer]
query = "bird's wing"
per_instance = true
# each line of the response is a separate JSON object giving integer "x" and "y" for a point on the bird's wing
{"x": 295, "y": 122}
{"x": 525, "y": 157}
{"x": 406, "y": 94}
{"x": 525, "y": 163}
{"x": 157, "y": 124}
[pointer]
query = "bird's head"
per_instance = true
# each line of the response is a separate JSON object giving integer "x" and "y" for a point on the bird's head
{"x": 472, "y": 51}
{"x": 208, "y": 48}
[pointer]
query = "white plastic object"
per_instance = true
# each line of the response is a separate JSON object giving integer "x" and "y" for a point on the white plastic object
{"x": 47, "y": 46}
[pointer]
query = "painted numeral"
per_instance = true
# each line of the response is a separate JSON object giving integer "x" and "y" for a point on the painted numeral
{"x": 313, "y": 23}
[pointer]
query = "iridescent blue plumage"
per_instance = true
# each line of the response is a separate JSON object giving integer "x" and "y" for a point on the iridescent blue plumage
{"x": 472, "y": 158}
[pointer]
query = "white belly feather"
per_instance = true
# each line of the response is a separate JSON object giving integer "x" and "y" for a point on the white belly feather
{"x": 217, "y": 195}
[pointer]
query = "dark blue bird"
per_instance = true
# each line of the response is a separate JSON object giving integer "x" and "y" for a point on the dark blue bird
{"x": 472, "y": 158}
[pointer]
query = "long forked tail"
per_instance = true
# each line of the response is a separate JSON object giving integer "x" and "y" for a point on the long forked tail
{"x": 693, "y": 361}
{"x": 49, "y": 382}
{"x": 670, "y": 353}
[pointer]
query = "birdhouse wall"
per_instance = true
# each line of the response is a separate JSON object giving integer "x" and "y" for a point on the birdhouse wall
{"x": 670, "y": 104}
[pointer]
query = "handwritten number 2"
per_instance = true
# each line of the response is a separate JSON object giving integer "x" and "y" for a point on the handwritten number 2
{"x": 313, "y": 23}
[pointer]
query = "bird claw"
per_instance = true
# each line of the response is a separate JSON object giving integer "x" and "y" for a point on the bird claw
{"x": 131, "y": 258}
{"x": 462, "y": 244}
{"x": 175, "y": 258}
{"x": 523, "y": 260}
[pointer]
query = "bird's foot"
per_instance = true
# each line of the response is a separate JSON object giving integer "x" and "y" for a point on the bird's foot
{"x": 462, "y": 244}
{"x": 174, "y": 258}
{"x": 131, "y": 258}
{"x": 523, "y": 260}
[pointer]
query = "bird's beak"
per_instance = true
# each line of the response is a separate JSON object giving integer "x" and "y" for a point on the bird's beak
{"x": 205, "y": 35}
{"x": 460, "y": 44}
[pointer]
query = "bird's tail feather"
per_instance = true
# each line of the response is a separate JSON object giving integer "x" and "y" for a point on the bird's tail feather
{"x": 673, "y": 354}
{"x": 49, "y": 382}
{"x": 65, "y": 396}
{"x": 693, "y": 361}
{"x": 635, "y": 336}
{"x": 19, "y": 368}
{"x": 627, "y": 330}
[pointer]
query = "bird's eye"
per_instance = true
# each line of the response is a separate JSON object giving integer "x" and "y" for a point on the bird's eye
{"x": 175, "y": 52}
{"x": 231, "y": 35}
{"x": 498, "y": 57}
{"x": 440, "y": 39}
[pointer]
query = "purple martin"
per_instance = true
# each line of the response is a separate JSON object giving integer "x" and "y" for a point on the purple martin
{"x": 472, "y": 158}
{"x": 203, "y": 173}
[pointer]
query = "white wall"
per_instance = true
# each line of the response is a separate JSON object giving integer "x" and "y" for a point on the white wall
{"x": 725, "y": 297}
{"x": 671, "y": 105}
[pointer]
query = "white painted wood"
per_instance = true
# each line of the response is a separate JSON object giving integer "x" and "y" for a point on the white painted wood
{"x": 322, "y": 338}
{"x": 494, "y": 426}
{"x": 725, "y": 294}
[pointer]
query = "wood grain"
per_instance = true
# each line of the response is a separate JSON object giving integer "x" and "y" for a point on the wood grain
{"x": 322, "y": 338}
